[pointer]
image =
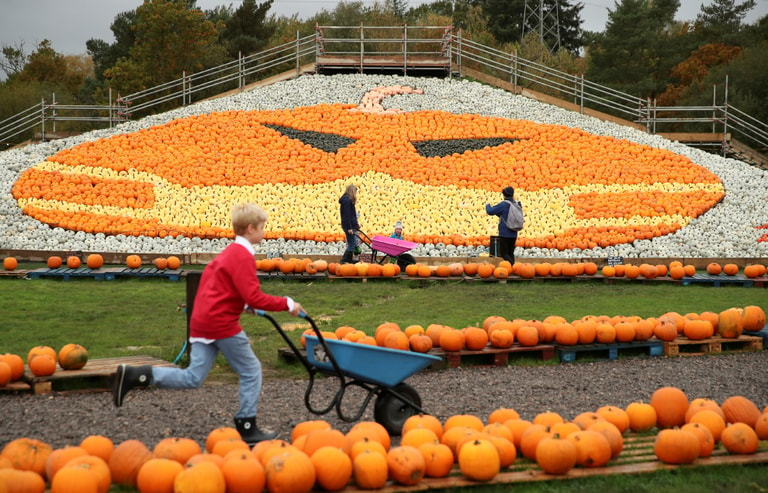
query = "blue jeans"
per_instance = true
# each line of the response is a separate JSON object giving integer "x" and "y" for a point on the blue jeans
{"x": 352, "y": 240}
{"x": 237, "y": 350}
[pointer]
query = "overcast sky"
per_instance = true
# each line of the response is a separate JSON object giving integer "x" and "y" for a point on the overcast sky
{"x": 68, "y": 24}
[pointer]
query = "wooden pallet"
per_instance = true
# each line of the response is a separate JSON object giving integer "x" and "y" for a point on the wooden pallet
{"x": 680, "y": 347}
{"x": 569, "y": 354}
{"x": 95, "y": 376}
{"x": 637, "y": 457}
{"x": 490, "y": 355}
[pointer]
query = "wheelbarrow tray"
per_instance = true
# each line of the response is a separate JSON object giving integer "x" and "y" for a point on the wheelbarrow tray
{"x": 373, "y": 364}
{"x": 391, "y": 246}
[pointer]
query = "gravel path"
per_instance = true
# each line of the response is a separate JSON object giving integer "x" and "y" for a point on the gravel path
{"x": 569, "y": 389}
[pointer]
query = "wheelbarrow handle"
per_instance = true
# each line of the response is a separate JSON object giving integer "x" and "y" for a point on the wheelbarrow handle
{"x": 310, "y": 368}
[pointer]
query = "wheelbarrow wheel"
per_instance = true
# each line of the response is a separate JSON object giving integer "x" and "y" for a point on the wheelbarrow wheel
{"x": 391, "y": 412}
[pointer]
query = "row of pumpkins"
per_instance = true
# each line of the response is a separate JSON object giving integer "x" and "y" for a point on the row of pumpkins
{"x": 320, "y": 456}
{"x": 483, "y": 269}
{"x": 42, "y": 362}
{"x": 501, "y": 270}
{"x": 96, "y": 261}
{"x": 498, "y": 332}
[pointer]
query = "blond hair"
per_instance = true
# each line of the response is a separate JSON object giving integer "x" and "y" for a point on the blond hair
{"x": 245, "y": 214}
{"x": 351, "y": 191}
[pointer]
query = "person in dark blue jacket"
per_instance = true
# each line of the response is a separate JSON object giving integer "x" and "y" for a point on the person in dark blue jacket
{"x": 507, "y": 237}
{"x": 349, "y": 222}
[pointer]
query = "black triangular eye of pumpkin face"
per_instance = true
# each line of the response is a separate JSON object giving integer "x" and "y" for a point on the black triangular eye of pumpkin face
{"x": 326, "y": 142}
{"x": 448, "y": 147}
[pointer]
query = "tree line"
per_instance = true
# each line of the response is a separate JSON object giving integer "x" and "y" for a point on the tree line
{"x": 642, "y": 51}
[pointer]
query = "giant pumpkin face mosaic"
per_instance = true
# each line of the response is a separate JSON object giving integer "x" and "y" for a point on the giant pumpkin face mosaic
{"x": 431, "y": 169}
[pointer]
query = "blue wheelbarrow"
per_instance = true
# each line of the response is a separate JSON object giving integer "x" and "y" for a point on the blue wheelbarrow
{"x": 379, "y": 371}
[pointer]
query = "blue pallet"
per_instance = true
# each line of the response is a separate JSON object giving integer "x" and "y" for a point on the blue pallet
{"x": 66, "y": 273}
{"x": 112, "y": 273}
{"x": 717, "y": 279}
{"x": 568, "y": 354}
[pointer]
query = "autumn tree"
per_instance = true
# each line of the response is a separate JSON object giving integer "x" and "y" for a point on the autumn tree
{"x": 640, "y": 45}
{"x": 689, "y": 75}
{"x": 723, "y": 21}
{"x": 13, "y": 59}
{"x": 170, "y": 39}
{"x": 247, "y": 29}
{"x": 106, "y": 55}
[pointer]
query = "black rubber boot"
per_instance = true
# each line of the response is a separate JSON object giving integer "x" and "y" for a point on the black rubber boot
{"x": 347, "y": 258}
{"x": 250, "y": 433}
{"x": 127, "y": 378}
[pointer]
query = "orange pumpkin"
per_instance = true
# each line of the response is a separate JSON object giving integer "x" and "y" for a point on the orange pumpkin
{"x": 74, "y": 480}
{"x": 98, "y": 446}
{"x": 706, "y": 439}
{"x": 479, "y": 460}
{"x": 158, "y": 474}
{"x": 15, "y": 365}
{"x": 555, "y": 455}
{"x": 42, "y": 365}
{"x": 72, "y": 357}
{"x": 220, "y": 433}
{"x": 174, "y": 262}
{"x": 97, "y": 466}
{"x": 676, "y": 446}
{"x": 54, "y": 262}
{"x": 731, "y": 323}
{"x": 133, "y": 261}
{"x": 290, "y": 471}
{"x": 59, "y": 457}
{"x": 420, "y": 343}
{"x": 244, "y": 475}
{"x": 333, "y": 468}
{"x": 406, "y": 465}
{"x": 27, "y": 454}
{"x": 753, "y": 318}
{"x": 204, "y": 476}
{"x": 94, "y": 261}
{"x": 370, "y": 470}
{"x": 10, "y": 263}
{"x": 126, "y": 461}
{"x": 73, "y": 262}
{"x": 47, "y": 350}
{"x": 592, "y": 448}
{"x": 177, "y": 449}
{"x": 161, "y": 263}
{"x": 740, "y": 438}
{"x": 670, "y": 404}
{"x": 739, "y": 409}
{"x": 438, "y": 459}
{"x": 452, "y": 340}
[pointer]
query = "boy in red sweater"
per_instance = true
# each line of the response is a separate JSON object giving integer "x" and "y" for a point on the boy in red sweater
{"x": 228, "y": 285}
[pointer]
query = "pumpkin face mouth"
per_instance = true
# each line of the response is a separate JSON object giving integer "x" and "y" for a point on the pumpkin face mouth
{"x": 433, "y": 170}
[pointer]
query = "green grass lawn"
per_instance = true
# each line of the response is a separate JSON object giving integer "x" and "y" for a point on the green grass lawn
{"x": 147, "y": 316}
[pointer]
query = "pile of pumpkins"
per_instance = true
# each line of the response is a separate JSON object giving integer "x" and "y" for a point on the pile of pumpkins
{"x": 96, "y": 261}
{"x": 318, "y": 456}
{"x": 42, "y": 362}
{"x": 498, "y": 332}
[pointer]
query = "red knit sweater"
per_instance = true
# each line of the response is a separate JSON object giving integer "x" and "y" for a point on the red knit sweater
{"x": 228, "y": 283}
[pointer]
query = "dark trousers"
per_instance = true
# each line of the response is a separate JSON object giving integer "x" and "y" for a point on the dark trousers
{"x": 507, "y": 248}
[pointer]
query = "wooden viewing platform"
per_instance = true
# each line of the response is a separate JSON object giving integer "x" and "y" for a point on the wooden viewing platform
{"x": 438, "y": 65}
